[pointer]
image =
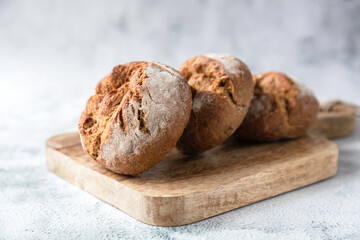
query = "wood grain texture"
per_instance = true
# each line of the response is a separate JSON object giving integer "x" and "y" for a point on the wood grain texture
{"x": 184, "y": 189}
{"x": 335, "y": 119}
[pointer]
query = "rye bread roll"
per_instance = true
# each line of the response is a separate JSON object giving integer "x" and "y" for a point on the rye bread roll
{"x": 222, "y": 90}
{"x": 136, "y": 116}
{"x": 281, "y": 108}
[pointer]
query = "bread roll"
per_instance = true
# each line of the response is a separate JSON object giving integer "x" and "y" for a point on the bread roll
{"x": 281, "y": 108}
{"x": 222, "y": 90}
{"x": 136, "y": 116}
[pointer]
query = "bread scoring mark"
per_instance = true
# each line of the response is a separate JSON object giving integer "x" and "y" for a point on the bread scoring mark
{"x": 206, "y": 74}
{"x": 143, "y": 127}
{"x": 265, "y": 102}
{"x": 121, "y": 120}
{"x": 89, "y": 123}
{"x": 232, "y": 67}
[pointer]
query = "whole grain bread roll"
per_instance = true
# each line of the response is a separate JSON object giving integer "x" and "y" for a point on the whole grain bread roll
{"x": 136, "y": 116}
{"x": 281, "y": 108}
{"x": 222, "y": 90}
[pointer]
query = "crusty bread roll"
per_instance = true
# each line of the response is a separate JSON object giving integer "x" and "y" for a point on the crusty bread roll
{"x": 281, "y": 108}
{"x": 222, "y": 90}
{"x": 136, "y": 116}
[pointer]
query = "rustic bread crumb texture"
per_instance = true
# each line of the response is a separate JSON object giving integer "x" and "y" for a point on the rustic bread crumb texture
{"x": 136, "y": 116}
{"x": 281, "y": 108}
{"x": 222, "y": 89}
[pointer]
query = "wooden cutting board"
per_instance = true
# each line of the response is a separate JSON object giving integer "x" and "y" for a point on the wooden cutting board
{"x": 185, "y": 189}
{"x": 335, "y": 119}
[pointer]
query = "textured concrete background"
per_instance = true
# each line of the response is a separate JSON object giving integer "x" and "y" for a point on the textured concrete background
{"x": 52, "y": 53}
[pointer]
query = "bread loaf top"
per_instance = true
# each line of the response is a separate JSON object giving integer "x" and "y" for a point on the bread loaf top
{"x": 281, "y": 108}
{"x": 136, "y": 116}
{"x": 222, "y": 89}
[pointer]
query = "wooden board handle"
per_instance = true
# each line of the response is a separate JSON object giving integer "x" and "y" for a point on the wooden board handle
{"x": 335, "y": 119}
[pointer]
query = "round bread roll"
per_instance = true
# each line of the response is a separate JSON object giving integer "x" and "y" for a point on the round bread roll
{"x": 222, "y": 90}
{"x": 136, "y": 116}
{"x": 281, "y": 108}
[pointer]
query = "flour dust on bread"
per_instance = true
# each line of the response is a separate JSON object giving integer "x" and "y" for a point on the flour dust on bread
{"x": 222, "y": 90}
{"x": 282, "y": 107}
{"x": 136, "y": 116}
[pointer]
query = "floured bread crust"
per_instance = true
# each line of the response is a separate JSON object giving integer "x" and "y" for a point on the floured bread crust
{"x": 281, "y": 108}
{"x": 222, "y": 90}
{"x": 136, "y": 116}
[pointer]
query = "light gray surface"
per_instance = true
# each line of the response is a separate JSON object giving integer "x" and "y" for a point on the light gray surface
{"x": 52, "y": 53}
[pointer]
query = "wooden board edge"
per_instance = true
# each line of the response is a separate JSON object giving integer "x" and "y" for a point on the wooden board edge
{"x": 171, "y": 211}
{"x": 56, "y": 161}
{"x": 55, "y": 141}
{"x": 334, "y": 126}
{"x": 160, "y": 211}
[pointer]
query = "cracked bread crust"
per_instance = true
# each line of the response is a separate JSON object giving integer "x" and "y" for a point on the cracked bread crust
{"x": 136, "y": 116}
{"x": 222, "y": 90}
{"x": 281, "y": 108}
